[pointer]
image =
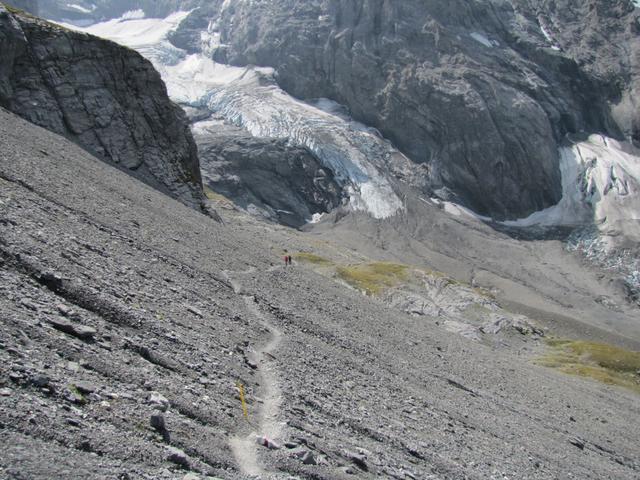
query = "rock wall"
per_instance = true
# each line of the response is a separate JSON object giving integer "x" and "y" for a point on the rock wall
{"x": 269, "y": 177}
{"x": 106, "y": 98}
{"x": 482, "y": 93}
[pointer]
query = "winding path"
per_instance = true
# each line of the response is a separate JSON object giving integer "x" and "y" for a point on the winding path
{"x": 245, "y": 448}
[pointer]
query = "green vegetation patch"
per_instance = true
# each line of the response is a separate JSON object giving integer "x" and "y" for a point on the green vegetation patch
{"x": 374, "y": 277}
{"x": 12, "y": 9}
{"x": 76, "y": 395}
{"x": 217, "y": 198}
{"x": 312, "y": 258}
{"x": 211, "y": 195}
{"x": 598, "y": 361}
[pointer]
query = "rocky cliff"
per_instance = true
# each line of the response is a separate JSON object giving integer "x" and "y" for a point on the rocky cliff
{"x": 278, "y": 181}
{"x": 480, "y": 93}
{"x": 106, "y": 98}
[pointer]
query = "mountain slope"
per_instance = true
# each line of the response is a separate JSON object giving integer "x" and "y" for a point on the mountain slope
{"x": 362, "y": 389}
{"x": 472, "y": 90}
{"x": 106, "y": 98}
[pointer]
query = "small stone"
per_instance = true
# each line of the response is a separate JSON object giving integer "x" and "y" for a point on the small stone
{"x": 40, "y": 381}
{"x": 52, "y": 280}
{"x": 15, "y": 377}
{"x": 577, "y": 443}
{"x": 73, "y": 422}
{"x": 73, "y": 366}
{"x": 27, "y": 303}
{"x": 191, "y": 476}
{"x": 63, "y": 309}
{"x": 79, "y": 331}
{"x": 177, "y": 456}
{"x": 291, "y": 445}
{"x": 157, "y": 422}
{"x": 358, "y": 460}
{"x": 267, "y": 443}
{"x": 85, "y": 387}
{"x": 194, "y": 310}
{"x": 85, "y": 333}
{"x": 5, "y": 392}
{"x": 157, "y": 401}
{"x": 309, "y": 459}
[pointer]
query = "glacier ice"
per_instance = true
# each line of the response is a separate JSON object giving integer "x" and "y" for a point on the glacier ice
{"x": 600, "y": 185}
{"x": 250, "y": 98}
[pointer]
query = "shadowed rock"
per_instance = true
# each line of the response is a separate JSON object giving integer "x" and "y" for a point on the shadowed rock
{"x": 106, "y": 98}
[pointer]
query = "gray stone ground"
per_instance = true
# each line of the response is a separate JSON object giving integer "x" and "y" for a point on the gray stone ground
{"x": 128, "y": 319}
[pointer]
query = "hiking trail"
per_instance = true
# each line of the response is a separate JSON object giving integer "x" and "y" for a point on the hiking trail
{"x": 245, "y": 448}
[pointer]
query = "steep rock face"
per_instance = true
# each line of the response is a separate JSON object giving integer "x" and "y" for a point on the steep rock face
{"x": 282, "y": 182}
{"x": 604, "y": 39}
{"x": 105, "y": 98}
{"x": 478, "y": 92}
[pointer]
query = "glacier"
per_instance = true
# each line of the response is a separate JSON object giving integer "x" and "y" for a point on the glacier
{"x": 601, "y": 201}
{"x": 600, "y": 186}
{"x": 249, "y": 97}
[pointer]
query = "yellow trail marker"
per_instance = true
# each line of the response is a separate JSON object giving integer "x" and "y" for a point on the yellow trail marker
{"x": 242, "y": 400}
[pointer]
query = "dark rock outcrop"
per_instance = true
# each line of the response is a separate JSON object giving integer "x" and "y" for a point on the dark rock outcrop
{"x": 282, "y": 182}
{"x": 481, "y": 93}
{"x": 106, "y": 98}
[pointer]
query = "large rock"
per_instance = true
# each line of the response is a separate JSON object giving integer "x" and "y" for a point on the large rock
{"x": 282, "y": 182}
{"x": 481, "y": 93}
{"x": 106, "y": 98}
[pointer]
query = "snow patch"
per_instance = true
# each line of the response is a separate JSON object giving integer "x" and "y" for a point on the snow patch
{"x": 480, "y": 38}
{"x": 317, "y": 217}
{"x": 548, "y": 36}
{"x": 80, "y": 8}
{"x": 455, "y": 209}
{"x": 136, "y": 32}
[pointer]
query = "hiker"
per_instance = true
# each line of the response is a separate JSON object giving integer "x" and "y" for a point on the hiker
{"x": 290, "y": 260}
{"x": 286, "y": 260}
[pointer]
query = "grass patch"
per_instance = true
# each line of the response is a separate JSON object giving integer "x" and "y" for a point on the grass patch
{"x": 373, "y": 277}
{"x": 312, "y": 258}
{"x": 598, "y": 361}
{"x": 76, "y": 394}
{"x": 217, "y": 198}
{"x": 211, "y": 195}
{"x": 12, "y": 9}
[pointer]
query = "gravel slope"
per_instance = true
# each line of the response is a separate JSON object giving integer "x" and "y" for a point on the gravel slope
{"x": 123, "y": 340}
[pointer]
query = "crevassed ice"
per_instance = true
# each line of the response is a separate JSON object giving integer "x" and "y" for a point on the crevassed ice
{"x": 250, "y": 98}
{"x": 600, "y": 184}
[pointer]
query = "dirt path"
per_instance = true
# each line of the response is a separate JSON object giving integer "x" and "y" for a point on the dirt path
{"x": 245, "y": 448}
